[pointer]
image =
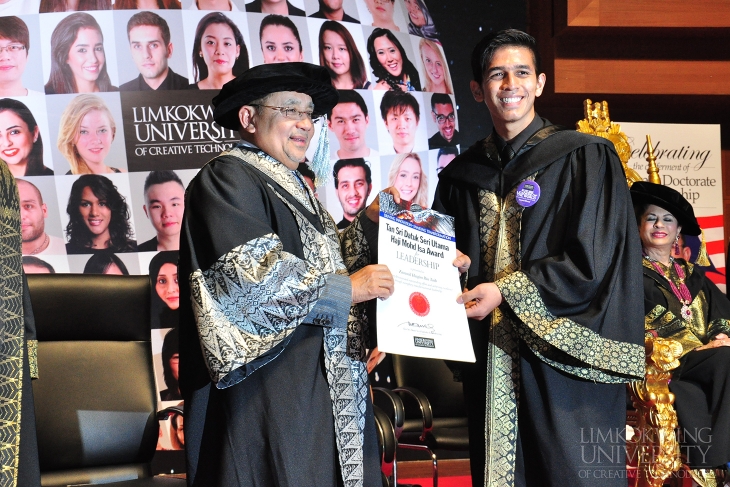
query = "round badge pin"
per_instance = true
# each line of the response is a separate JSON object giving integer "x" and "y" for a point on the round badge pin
{"x": 419, "y": 304}
{"x": 528, "y": 192}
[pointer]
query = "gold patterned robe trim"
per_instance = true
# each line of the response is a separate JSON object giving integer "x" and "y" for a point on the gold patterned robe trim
{"x": 12, "y": 345}
{"x": 33, "y": 358}
{"x": 499, "y": 230}
{"x": 604, "y": 360}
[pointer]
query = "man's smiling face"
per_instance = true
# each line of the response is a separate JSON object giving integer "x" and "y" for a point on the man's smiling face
{"x": 509, "y": 89}
{"x": 284, "y": 139}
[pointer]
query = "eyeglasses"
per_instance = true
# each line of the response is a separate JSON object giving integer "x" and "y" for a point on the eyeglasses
{"x": 292, "y": 113}
{"x": 441, "y": 119}
{"x": 12, "y": 48}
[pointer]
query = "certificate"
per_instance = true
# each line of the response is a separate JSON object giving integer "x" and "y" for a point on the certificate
{"x": 421, "y": 318}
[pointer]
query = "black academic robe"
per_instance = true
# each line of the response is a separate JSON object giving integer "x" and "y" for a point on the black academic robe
{"x": 275, "y": 389}
{"x": 701, "y": 383}
{"x": 553, "y": 358}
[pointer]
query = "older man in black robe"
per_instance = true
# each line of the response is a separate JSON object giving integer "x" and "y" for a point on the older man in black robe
{"x": 555, "y": 296}
{"x": 272, "y": 350}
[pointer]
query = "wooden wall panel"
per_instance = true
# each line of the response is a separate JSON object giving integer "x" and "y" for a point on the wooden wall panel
{"x": 658, "y": 61}
{"x": 642, "y": 77}
{"x": 648, "y": 13}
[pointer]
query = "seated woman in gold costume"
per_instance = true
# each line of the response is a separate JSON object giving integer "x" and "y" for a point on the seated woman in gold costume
{"x": 683, "y": 304}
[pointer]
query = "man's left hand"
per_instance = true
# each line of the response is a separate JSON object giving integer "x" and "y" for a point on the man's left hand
{"x": 462, "y": 262}
{"x": 375, "y": 357}
{"x": 373, "y": 210}
{"x": 481, "y": 300}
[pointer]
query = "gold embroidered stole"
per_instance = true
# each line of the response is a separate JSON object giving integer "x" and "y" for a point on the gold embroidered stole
{"x": 12, "y": 346}
{"x": 499, "y": 231}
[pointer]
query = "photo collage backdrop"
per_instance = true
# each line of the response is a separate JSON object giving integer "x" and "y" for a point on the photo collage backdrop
{"x": 102, "y": 153}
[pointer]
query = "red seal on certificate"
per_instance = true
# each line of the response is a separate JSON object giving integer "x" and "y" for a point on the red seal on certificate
{"x": 419, "y": 304}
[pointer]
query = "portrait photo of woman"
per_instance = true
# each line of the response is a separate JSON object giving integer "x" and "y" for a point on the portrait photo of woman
{"x": 86, "y": 132}
{"x": 147, "y": 4}
{"x": 98, "y": 218}
{"x": 280, "y": 40}
{"x": 219, "y": 52}
{"x": 390, "y": 64}
{"x": 382, "y": 13}
{"x": 78, "y": 59}
{"x": 438, "y": 77}
{"x": 14, "y": 49}
{"x": 74, "y": 5}
{"x": 170, "y": 362}
{"x": 408, "y": 177}
{"x": 339, "y": 54}
{"x": 165, "y": 289}
{"x": 21, "y": 145}
{"x": 420, "y": 22}
{"x": 106, "y": 263}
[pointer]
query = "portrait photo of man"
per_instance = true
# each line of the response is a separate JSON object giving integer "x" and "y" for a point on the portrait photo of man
{"x": 444, "y": 157}
{"x": 279, "y": 7}
{"x": 333, "y": 10}
{"x": 15, "y": 55}
{"x": 34, "y": 265}
{"x": 223, "y": 5}
{"x": 349, "y": 121}
{"x": 401, "y": 115}
{"x": 164, "y": 196}
{"x": 33, "y": 214}
{"x": 353, "y": 182}
{"x": 151, "y": 48}
{"x": 442, "y": 113}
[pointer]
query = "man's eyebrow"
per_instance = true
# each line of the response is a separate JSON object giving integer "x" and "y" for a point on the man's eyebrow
{"x": 294, "y": 101}
{"x": 504, "y": 68}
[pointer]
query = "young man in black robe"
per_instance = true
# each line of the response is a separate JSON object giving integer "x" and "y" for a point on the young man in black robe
{"x": 272, "y": 350}
{"x": 555, "y": 296}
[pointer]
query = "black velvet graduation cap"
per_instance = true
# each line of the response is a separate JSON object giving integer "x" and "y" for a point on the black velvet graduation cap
{"x": 668, "y": 199}
{"x": 264, "y": 79}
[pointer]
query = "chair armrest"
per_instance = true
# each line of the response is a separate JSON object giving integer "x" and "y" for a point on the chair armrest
{"x": 164, "y": 414}
{"x": 395, "y": 406}
{"x": 424, "y": 405}
{"x": 386, "y": 435}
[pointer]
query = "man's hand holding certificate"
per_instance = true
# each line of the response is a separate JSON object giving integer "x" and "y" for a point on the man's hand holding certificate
{"x": 422, "y": 318}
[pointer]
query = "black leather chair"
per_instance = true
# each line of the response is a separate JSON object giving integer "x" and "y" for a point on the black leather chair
{"x": 388, "y": 444}
{"x": 95, "y": 399}
{"x": 426, "y": 406}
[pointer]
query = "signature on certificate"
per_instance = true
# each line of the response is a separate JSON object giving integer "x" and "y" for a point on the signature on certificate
{"x": 422, "y": 327}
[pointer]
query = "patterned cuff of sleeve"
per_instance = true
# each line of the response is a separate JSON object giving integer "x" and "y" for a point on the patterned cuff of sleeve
{"x": 333, "y": 306}
{"x": 615, "y": 360}
{"x": 718, "y": 326}
{"x": 33, "y": 358}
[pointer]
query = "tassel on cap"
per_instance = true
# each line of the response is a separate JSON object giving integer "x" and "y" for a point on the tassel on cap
{"x": 703, "y": 260}
{"x": 321, "y": 159}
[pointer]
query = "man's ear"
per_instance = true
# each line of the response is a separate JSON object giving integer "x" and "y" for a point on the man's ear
{"x": 476, "y": 91}
{"x": 541, "y": 78}
{"x": 169, "y": 50}
{"x": 144, "y": 207}
{"x": 245, "y": 117}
